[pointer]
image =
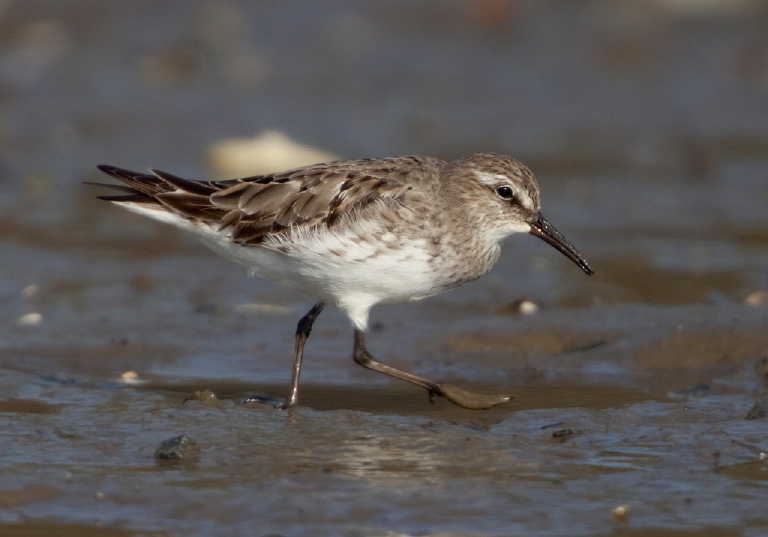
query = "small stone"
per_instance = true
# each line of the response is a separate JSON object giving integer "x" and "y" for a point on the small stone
{"x": 206, "y": 397}
{"x": 757, "y": 298}
{"x": 759, "y": 410}
{"x": 694, "y": 392}
{"x": 30, "y": 319}
{"x": 268, "y": 152}
{"x": 130, "y": 377}
{"x": 179, "y": 448}
{"x": 621, "y": 513}
{"x": 519, "y": 307}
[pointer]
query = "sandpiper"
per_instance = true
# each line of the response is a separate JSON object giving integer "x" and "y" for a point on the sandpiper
{"x": 358, "y": 233}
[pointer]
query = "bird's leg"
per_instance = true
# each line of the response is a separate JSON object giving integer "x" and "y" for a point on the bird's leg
{"x": 475, "y": 401}
{"x": 303, "y": 329}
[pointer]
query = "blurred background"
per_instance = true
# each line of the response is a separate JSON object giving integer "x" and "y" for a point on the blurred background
{"x": 646, "y": 124}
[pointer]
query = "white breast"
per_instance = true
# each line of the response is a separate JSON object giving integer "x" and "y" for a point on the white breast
{"x": 352, "y": 267}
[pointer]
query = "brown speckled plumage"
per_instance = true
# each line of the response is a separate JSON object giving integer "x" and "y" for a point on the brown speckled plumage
{"x": 256, "y": 207}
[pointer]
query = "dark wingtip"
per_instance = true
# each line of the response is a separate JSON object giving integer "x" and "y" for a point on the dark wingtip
{"x": 134, "y": 184}
{"x": 111, "y": 170}
{"x": 200, "y": 188}
{"x": 114, "y": 171}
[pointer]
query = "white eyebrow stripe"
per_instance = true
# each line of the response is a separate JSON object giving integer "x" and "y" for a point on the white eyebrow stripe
{"x": 494, "y": 180}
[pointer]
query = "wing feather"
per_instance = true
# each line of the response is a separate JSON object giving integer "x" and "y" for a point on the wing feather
{"x": 256, "y": 207}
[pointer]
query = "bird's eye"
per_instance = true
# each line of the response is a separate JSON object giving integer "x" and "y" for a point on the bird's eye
{"x": 505, "y": 192}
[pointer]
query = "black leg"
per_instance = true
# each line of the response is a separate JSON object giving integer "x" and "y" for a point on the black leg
{"x": 303, "y": 329}
{"x": 456, "y": 395}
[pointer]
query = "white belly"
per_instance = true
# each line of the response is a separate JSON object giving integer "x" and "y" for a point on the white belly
{"x": 339, "y": 269}
{"x": 353, "y": 268}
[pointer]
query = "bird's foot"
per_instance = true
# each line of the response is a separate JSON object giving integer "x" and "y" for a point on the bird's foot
{"x": 285, "y": 405}
{"x": 267, "y": 400}
{"x": 466, "y": 399}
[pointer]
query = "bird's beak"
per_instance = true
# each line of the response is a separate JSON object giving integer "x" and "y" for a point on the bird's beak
{"x": 547, "y": 232}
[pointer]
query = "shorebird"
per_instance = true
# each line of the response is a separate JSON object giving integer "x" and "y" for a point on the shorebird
{"x": 357, "y": 233}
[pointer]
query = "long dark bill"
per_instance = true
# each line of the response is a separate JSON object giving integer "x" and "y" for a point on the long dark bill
{"x": 547, "y": 232}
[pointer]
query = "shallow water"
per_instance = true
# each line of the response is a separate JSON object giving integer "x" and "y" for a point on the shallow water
{"x": 646, "y": 127}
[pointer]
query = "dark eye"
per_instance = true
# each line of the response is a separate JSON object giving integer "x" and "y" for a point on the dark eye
{"x": 505, "y": 192}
